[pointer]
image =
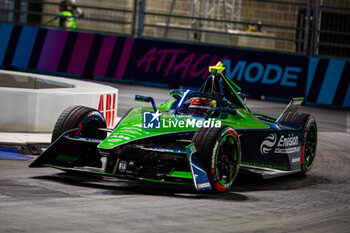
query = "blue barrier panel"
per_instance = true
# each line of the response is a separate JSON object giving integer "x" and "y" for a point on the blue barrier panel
{"x": 24, "y": 47}
{"x": 328, "y": 82}
{"x": 5, "y": 35}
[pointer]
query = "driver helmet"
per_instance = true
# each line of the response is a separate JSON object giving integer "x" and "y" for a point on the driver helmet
{"x": 200, "y": 106}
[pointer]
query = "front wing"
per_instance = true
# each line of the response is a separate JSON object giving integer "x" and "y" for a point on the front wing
{"x": 64, "y": 154}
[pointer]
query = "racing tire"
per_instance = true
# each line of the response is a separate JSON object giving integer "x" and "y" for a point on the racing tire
{"x": 88, "y": 120}
{"x": 219, "y": 150}
{"x": 309, "y": 140}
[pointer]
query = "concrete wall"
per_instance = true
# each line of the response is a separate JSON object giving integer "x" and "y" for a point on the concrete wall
{"x": 26, "y": 107}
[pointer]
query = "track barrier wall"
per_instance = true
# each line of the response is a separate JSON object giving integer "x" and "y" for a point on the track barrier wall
{"x": 322, "y": 81}
{"x": 32, "y": 103}
{"x": 328, "y": 82}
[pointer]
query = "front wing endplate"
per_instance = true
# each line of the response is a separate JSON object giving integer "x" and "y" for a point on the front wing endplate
{"x": 200, "y": 177}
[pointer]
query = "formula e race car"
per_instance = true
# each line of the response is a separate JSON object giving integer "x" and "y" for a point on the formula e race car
{"x": 201, "y": 138}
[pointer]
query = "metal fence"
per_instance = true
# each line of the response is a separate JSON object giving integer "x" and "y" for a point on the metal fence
{"x": 312, "y": 27}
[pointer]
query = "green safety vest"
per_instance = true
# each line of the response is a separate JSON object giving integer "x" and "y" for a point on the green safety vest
{"x": 69, "y": 18}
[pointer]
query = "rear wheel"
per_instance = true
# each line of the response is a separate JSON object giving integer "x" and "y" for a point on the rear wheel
{"x": 219, "y": 151}
{"x": 308, "y": 150}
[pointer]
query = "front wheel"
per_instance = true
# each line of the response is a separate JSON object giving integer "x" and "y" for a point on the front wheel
{"x": 220, "y": 152}
{"x": 87, "y": 121}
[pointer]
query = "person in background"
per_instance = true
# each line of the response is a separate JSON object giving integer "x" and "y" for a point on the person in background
{"x": 66, "y": 18}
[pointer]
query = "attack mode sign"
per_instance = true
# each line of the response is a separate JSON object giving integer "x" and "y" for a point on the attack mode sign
{"x": 108, "y": 107}
{"x": 257, "y": 72}
{"x": 271, "y": 79}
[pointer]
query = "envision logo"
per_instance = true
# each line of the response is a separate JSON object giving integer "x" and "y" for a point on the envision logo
{"x": 151, "y": 120}
{"x": 288, "y": 141}
{"x": 268, "y": 143}
{"x": 286, "y": 144}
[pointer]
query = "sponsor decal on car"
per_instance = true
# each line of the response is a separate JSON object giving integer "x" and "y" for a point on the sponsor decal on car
{"x": 211, "y": 122}
{"x": 203, "y": 185}
{"x": 122, "y": 166}
{"x": 152, "y": 120}
{"x": 296, "y": 160}
{"x": 287, "y": 144}
{"x": 255, "y": 164}
{"x": 268, "y": 143}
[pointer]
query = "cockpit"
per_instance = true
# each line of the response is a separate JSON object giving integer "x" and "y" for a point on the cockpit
{"x": 218, "y": 92}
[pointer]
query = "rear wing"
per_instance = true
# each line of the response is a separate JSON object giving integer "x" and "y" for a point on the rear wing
{"x": 290, "y": 111}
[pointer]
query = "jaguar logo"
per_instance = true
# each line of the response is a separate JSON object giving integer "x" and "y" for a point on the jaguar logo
{"x": 268, "y": 143}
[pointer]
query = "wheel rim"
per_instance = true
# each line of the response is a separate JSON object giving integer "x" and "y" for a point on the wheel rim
{"x": 227, "y": 160}
{"x": 90, "y": 124}
{"x": 310, "y": 147}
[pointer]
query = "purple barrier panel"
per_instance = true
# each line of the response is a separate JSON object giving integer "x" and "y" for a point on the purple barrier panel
{"x": 124, "y": 59}
{"x": 66, "y": 52}
{"x": 52, "y": 50}
{"x": 104, "y": 55}
{"x": 80, "y": 53}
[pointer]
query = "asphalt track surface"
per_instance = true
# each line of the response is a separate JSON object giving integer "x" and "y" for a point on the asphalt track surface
{"x": 48, "y": 200}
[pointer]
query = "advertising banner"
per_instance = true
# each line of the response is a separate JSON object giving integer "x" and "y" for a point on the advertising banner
{"x": 256, "y": 72}
{"x": 322, "y": 81}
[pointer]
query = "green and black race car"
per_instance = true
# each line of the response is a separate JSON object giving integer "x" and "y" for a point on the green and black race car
{"x": 202, "y": 138}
